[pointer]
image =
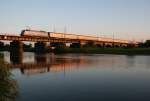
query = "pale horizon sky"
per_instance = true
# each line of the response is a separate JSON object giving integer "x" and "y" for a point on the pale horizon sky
{"x": 127, "y": 19}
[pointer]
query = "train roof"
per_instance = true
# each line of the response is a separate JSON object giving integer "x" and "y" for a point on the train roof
{"x": 33, "y": 30}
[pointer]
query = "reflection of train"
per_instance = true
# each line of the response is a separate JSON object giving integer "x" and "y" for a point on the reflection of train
{"x": 34, "y": 33}
{"x": 33, "y": 71}
{"x": 58, "y": 66}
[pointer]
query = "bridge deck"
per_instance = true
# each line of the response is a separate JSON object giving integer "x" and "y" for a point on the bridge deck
{"x": 46, "y": 39}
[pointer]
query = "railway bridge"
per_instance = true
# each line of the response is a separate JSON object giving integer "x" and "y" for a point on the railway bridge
{"x": 16, "y": 41}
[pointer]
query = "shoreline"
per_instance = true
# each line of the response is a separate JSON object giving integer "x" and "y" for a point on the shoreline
{"x": 115, "y": 51}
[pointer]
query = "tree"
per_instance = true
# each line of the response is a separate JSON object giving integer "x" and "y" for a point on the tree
{"x": 147, "y": 43}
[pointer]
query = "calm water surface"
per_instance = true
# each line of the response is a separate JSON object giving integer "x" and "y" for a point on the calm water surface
{"x": 81, "y": 77}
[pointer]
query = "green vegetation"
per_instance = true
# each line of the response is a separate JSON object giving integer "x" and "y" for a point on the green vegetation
{"x": 146, "y": 44}
{"x": 127, "y": 51}
{"x": 8, "y": 88}
{"x": 89, "y": 47}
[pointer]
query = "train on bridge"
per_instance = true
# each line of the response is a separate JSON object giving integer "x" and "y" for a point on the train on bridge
{"x": 40, "y": 34}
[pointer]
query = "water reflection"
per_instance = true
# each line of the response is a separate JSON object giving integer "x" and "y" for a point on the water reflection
{"x": 31, "y": 64}
{"x": 16, "y": 58}
{"x": 8, "y": 86}
{"x": 81, "y": 77}
{"x": 50, "y": 63}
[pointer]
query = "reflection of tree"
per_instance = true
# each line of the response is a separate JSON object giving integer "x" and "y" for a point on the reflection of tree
{"x": 8, "y": 87}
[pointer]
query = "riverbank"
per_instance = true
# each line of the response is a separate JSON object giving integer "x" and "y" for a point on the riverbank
{"x": 125, "y": 51}
{"x": 8, "y": 86}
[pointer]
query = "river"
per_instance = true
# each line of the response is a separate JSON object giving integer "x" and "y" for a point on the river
{"x": 80, "y": 77}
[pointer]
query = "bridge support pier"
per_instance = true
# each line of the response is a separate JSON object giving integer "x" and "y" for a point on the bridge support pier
{"x": 75, "y": 45}
{"x": 116, "y": 45}
{"x": 16, "y": 52}
{"x": 100, "y": 44}
{"x": 108, "y": 45}
{"x": 58, "y": 44}
{"x": 123, "y": 45}
{"x": 2, "y": 46}
{"x": 40, "y": 47}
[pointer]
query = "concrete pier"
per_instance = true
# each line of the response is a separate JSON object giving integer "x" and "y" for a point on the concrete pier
{"x": 16, "y": 52}
{"x": 75, "y": 45}
{"x": 58, "y": 44}
{"x": 40, "y": 47}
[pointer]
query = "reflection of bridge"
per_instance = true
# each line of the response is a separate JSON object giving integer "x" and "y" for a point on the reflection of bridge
{"x": 55, "y": 66}
{"x": 31, "y": 69}
{"x": 61, "y": 64}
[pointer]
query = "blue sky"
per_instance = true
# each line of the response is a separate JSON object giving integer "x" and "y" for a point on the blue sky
{"x": 127, "y": 19}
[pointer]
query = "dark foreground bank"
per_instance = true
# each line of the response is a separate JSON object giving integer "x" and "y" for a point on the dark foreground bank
{"x": 126, "y": 51}
{"x": 8, "y": 86}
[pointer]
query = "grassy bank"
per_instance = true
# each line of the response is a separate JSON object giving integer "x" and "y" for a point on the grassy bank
{"x": 8, "y": 86}
{"x": 127, "y": 51}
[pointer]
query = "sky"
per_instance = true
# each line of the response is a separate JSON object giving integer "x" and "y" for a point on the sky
{"x": 126, "y": 19}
